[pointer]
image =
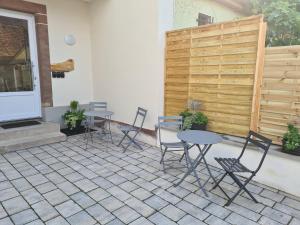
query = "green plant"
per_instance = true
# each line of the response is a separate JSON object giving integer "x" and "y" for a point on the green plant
{"x": 283, "y": 18}
{"x": 291, "y": 140}
{"x": 185, "y": 114}
{"x": 197, "y": 118}
{"x": 74, "y": 116}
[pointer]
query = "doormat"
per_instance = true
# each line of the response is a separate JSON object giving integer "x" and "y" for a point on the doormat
{"x": 80, "y": 130}
{"x": 20, "y": 124}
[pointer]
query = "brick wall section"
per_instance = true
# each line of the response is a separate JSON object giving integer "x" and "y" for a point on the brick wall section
{"x": 40, "y": 13}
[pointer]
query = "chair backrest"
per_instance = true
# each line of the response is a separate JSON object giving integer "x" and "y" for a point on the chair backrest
{"x": 169, "y": 122}
{"x": 140, "y": 118}
{"x": 98, "y": 106}
{"x": 259, "y": 141}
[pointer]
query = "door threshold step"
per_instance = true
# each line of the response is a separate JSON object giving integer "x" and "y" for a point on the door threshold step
{"x": 30, "y": 141}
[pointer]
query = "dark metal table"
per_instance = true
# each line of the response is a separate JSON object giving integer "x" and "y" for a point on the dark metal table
{"x": 197, "y": 138}
{"x": 106, "y": 115}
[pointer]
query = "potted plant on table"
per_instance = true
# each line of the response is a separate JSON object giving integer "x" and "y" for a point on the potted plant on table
{"x": 194, "y": 121}
{"x": 74, "y": 116}
{"x": 291, "y": 141}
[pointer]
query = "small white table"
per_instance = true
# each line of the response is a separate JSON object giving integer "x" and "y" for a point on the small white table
{"x": 106, "y": 115}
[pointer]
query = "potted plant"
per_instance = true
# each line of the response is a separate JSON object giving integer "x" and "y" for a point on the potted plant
{"x": 74, "y": 116}
{"x": 291, "y": 141}
{"x": 194, "y": 121}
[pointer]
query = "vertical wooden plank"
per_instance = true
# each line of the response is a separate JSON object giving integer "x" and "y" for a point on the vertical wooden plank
{"x": 258, "y": 76}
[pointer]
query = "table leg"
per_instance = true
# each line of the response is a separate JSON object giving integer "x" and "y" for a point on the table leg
{"x": 192, "y": 168}
{"x": 109, "y": 130}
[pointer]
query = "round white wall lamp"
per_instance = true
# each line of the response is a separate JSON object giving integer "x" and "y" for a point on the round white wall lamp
{"x": 70, "y": 40}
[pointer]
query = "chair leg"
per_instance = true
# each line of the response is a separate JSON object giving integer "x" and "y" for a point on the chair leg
{"x": 181, "y": 158}
{"x": 163, "y": 155}
{"x": 242, "y": 187}
{"x": 122, "y": 138}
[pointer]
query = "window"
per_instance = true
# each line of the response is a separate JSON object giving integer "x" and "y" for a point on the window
{"x": 204, "y": 19}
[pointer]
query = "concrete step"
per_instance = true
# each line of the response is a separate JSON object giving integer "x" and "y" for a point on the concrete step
{"x": 31, "y": 141}
{"x": 30, "y": 136}
{"x": 29, "y": 131}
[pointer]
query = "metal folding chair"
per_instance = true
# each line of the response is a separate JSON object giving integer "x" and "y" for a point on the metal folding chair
{"x": 97, "y": 106}
{"x": 173, "y": 122}
{"x": 133, "y": 129}
{"x": 233, "y": 165}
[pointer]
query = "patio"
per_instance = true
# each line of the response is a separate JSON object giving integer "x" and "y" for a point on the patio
{"x": 65, "y": 184}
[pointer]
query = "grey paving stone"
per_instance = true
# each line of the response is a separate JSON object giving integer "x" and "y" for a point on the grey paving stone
{"x": 32, "y": 196}
{"x": 6, "y": 221}
{"x": 98, "y": 194}
{"x": 272, "y": 195}
{"x": 213, "y": 220}
{"x": 119, "y": 193}
{"x": 142, "y": 221}
{"x": 37, "y": 179}
{"x": 287, "y": 210}
{"x": 116, "y": 222}
{"x": 166, "y": 196}
{"x": 145, "y": 184}
{"x": 85, "y": 185}
{"x": 45, "y": 210}
{"x": 126, "y": 214}
{"x": 15, "y": 205}
{"x": 139, "y": 206}
{"x": 192, "y": 210}
{"x": 102, "y": 182}
{"x": 46, "y": 187}
{"x": 21, "y": 184}
{"x": 244, "y": 212}
{"x": 5, "y": 185}
{"x": 276, "y": 215}
{"x": 141, "y": 193}
{"x": 68, "y": 188}
{"x": 56, "y": 197}
{"x": 68, "y": 208}
{"x": 179, "y": 191}
{"x": 267, "y": 221}
{"x": 111, "y": 203}
{"x": 189, "y": 220}
{"x": 217, "y": 210}
{"x": 295, "y": 222}
{"x": 172, "y": 212}
{"x": 55, "y": 177}
{"x": 160, "y": 219}
{"x": 197, "y": 200}
{"x": 292, "y": 203}
{"x": 8, "y": 193}
{"x": 36, "y": 222}
{"x": 237, "y": 219}
{"x": 81, "y": 218}
{"x": 100, "y": 214}
{"x": 73, "y": 177}
{"x": 2, "y": 212}
{"x": 116, "y": 179}
{"x": 83, "y": 199}
{"x": 24, "y": 217}
{"x": 156, "y": 202}
{"x": 57, "y": 221}
{"x": 128, "y": 186}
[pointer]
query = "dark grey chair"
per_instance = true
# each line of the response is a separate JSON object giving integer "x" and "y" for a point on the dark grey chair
{"x": 171, "y": 122}
{"x": 95, "y": 106}
{"x": 131, "y": 131}
{"x": 233, "y": 165}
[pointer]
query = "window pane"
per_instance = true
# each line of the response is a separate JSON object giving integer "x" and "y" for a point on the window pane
{"x": 15, "y": 63}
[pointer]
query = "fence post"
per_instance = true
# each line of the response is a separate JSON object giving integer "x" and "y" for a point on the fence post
{"x": 258, "y": 78}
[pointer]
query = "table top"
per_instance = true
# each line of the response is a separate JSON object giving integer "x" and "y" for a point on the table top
{"x": 199, "y": 137}
{"x": 102, "y": 113}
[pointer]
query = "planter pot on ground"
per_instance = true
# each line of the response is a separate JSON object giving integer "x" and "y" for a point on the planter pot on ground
{"x": 198, "y": 127}
{"x": 291, "y": 152}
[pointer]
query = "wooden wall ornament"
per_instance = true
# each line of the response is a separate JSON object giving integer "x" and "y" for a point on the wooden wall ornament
{"x": 58, "y": 69}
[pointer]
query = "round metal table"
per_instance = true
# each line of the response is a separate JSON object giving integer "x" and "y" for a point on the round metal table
{"x": 106, "y": 115}
{"x": 198, "y": 138}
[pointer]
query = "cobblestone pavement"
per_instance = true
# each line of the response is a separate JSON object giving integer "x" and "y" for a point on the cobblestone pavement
{"x": 64, "y": 183}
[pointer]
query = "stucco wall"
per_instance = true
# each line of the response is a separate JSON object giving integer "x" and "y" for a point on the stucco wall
{"x": 186, "y": 12}
{"x": 127, "y": 55}
{"x": 70, "y": 17}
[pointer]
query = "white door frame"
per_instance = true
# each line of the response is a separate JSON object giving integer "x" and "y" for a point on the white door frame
{"x": 35, "y": 69}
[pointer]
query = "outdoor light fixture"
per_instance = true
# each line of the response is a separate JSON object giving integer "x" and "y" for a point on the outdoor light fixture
{"x": 70, "y": 40}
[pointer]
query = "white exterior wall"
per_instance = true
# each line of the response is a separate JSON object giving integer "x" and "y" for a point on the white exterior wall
{"x": 70, "y": 17}
{"x": 128, "y": 55}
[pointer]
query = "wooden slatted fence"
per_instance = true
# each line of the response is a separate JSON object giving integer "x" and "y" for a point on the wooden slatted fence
{"x": 280, "y": 101}
{"x": 221, "y": 66}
